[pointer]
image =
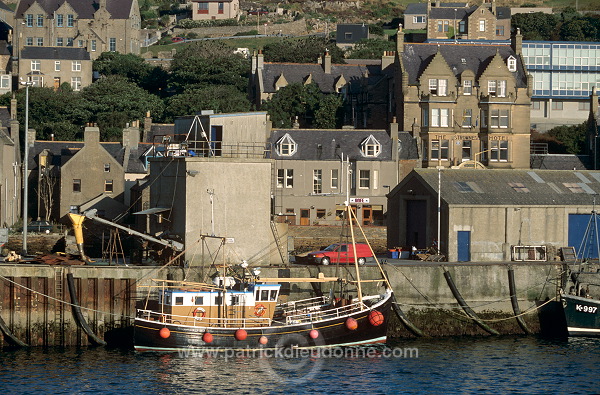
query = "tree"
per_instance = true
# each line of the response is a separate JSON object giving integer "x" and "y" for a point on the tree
{"x": 305, "y": 50}
{"x": 113, "y": 101}
{"x": 371, "y": 49}
{"x": 134, "y": 68}
{"x": 571, "y": 138}
{"x": 577, "y": 29}
{"x": 328, "y": 115}
{"x": 536, "y": 26}
{"x": 219, "y": 98}
{"x": 205, "y": 63}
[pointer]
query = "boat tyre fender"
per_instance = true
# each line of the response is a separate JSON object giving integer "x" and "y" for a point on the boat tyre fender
{"x": 260, "y": 310}
{"x": 199, "y": 313}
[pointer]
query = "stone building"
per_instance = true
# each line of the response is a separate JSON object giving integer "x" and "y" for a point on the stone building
{"x": 493, "y": 215}
{"x": 466, "y": 104}
{"x": 49, "y": 67}
{"x": 10, "y": 167}
{"x": 95, "y": 25}
{"x": 211, "y": 9}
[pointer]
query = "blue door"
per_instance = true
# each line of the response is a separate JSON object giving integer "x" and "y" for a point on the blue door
{"x": 583, "y": 234}
{"x": 464, "y": 245}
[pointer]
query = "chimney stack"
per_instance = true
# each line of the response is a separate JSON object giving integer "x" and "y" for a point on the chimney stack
{"x": 327, "y": 62}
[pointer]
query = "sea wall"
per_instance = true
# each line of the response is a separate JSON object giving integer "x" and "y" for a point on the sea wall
{"x": 35, "y": 302}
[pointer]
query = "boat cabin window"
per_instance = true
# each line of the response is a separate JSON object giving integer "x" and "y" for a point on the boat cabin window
{"x": 199, "y": 300}
{"x": 218, "y": 300}
{"x": 179, "y": 300}
{"x": 235, "y": 300}
{"x": 273, "y": 295}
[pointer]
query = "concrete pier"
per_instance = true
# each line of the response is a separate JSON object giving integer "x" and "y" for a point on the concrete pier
{"x": 35, "y": 302}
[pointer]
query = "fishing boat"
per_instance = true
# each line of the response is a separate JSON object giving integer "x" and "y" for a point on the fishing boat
{"x": 581, "y": 294}
{"x": 240, "y": 310}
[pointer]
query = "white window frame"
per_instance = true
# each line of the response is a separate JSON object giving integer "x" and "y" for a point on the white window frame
{"x": 5, "y": 81}
{"x": 440, "y": 147}
{"x": 364, "y": 179}
{"x": 512, "y": 63}
{"x": 60, "y": 20}
{"x": 370, "y": 147}
{"x": 59, "y": 41}
{"x": 335, "y": 178}
{"x": 76, "y": 65}
{"x": 498, "y": 151}
{"x": 482, "y": 25}
{"x": 29, "y": 20}
{"x": 317, "y": 181}
{"x": 467, "y": 119}
{"x": 57, "y": 65}
{"x": 112, "y": 44}
{"x": 93, "y": 46}
{"x": 40, "y": 41}
{"x": 76, "y": 83}
{"x": 467, "y": 87}
{"x": 442, "y": 87}
{"x": 36, "y": 65}
{"x": 285, "y": 178}
{"x": 70, "y": 20}
{"x": 286, "y": 146}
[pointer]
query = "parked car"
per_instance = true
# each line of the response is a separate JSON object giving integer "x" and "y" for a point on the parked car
{"x": 258, "y": 12}
{"x": 39, "y": 226}
{"x": 341, "y": 253}
{"x": 177, "y": 39}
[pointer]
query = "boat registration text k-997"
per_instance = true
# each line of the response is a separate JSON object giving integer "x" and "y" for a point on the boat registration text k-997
{"x": 586, "y": 309}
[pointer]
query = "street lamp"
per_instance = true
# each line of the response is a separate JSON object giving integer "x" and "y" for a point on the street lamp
{"x": 454, "y": 27}
{"x": 27, "y": 84}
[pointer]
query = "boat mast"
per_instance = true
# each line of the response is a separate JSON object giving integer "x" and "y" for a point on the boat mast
{"x": 349, "y": 218}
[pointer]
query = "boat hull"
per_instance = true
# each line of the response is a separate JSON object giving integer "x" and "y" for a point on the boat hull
{"x": 582, "y": 316}
{"x": 331, "y": 332}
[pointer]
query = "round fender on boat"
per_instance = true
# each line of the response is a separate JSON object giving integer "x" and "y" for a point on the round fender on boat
{"x": 241, "y": 334}
{"x": 207, "y": 337}
{"x": 263, "y": 340}
{"x": 351, "y": 324}
{"x": 164, "y": 333}
{"x": 376, "y": 318}
{"x": 313, "y": 334}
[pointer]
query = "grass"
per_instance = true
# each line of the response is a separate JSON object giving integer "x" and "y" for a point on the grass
{"x": 252, "y": 43}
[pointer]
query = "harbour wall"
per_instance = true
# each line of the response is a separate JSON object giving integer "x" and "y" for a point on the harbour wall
{"x": 36, "y": 307}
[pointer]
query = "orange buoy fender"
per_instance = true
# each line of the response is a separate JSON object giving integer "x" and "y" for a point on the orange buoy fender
{"x": 241, "y": 334}
{"x": 263, "y": 340}
{"x": 164, "y": 333}
{"x": 351, "y": 324}
{"x": 207, "y": 337}
{"x": 376, "y": 318}
{"x": 313, "y": 334}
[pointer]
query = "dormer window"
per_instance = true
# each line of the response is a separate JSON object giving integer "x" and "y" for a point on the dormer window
{"x": 370, "y": 147}
{"x": 512, "y": 63}
{"x": 438, "y": 87}
{"x": 286, "y": 146}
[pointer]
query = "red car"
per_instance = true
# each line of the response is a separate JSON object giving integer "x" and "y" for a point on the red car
{"x": 177, "y": 39}
{"x": 258, "y": 12}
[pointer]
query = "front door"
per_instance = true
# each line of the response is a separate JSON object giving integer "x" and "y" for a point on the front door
{"x": 464, "y": 245}
{"x": 367, "y": 215}
{"x": 305, "y": 216}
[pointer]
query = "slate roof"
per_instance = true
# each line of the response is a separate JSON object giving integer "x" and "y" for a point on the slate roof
{"x": 407, "y": 147}
{"x": 359, "y": 32}
{"x": 421, "y": 8}
{"x": 159, "y": 130}
{"x": 62, "y": 151}
{"x": 491, "y": 187}
{"x": 416, "y": 58}
{"x": 298, "y": 72}
{"x": 5, "y": 116}
{"x": 448, "y": 13}
{"x": 4, "y": 48}
{"x": 85, "y": 9}
{"x": 65, "y": 53}
{"x": 5, "y": 7}
{"x": 559, "y": 162}
{"x": 333, "y": 142}
{"x": 5, "y": 139}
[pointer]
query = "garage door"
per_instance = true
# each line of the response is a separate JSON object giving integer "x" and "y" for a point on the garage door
{"x": 583, "y": 235}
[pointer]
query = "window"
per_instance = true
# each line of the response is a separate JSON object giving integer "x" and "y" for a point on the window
{"x": 467, "y": 118}
{"x": 59, "y": 41}
{"x": 203, "y": 8}
{"x": 482, "y": 25}
{"x": 439, "y": 117}
{"x": 438, "y": 87}
{"x": 348, "y": 35}
{"x": 107, "y": 167}
{"x": 557, "y": 105}
{"x": 179, "y": 300}
{"x": 317, "y": 181}
{"x": 466, "y": 149}
{"x": 80, "y": 43}
{"x": 321, "y": 213}
{"x": 70, "y": 20}
{"x": 443, "y": 26}
{"x": 74, "y": 209}
{"x": 334, "y": 178}
{"x": 484, "y": 118}
{"x": 439, "y": 149}
{"x": 499, "y": 30}
{"x": 462, "y": 27}
{"x": 35, "y": 65}
{"x": 69, "y": 41}
{"x": 535, "y": 105}
{"x": 511, "y": 63}
{"x": 462, "y": 186}
{"x": 29, "y": 20}
{"x": 199, "y": 300}
{"x": 40, "y": 20}
{"x": 286, "y": 146}
{"x": 468, "y": 87}
{"x": 112, "y": 44}
{"x": 419, "y": 19}
{"x": 37, "y": 81}
{"x": 364, "y": 179}
{"x": 40, "y": 41}
{"x": 492, "y": 88}
{"x": 29, "y": 41}
{"x": 76, "y": 65}
{"x": 220, "y": 8}
{"x": 93, "y": 46}
{"x": 370, "y": 147}
{"x": 59, "y": 20}
{"x": 285, "y": 178}
{"x": 573, "y": 187}
{"x": 518, "y": 187}
{"x": 76, "y": 83}
{"x": 5, "y": 81}
{"x": 497, "y": 88}
{"x": 108, "y": 186}
{"x": 57, "y": 65}
{"x": 76, "y": 185}
{"x": 425, "y": 117}
{"x": 498, "y": 151}
{"x": 499, "y": 119}
{"x": 583, "y": 106}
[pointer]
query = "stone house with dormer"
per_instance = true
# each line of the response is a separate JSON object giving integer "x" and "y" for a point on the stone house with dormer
{"x": 468, "y": 105}
{"x": 95, "y": 25}
{"x": 366, "y": 86}
{"x": 212, "y": 9}
{"x": 49, "y": 67}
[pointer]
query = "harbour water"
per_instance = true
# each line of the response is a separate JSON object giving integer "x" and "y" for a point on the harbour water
{"x": 441, "y": 365}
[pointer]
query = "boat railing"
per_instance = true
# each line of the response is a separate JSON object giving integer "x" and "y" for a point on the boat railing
{"x": 187, "y": 320}
{"x": 304, "y": 304}
{"x": 320, "y": 315}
